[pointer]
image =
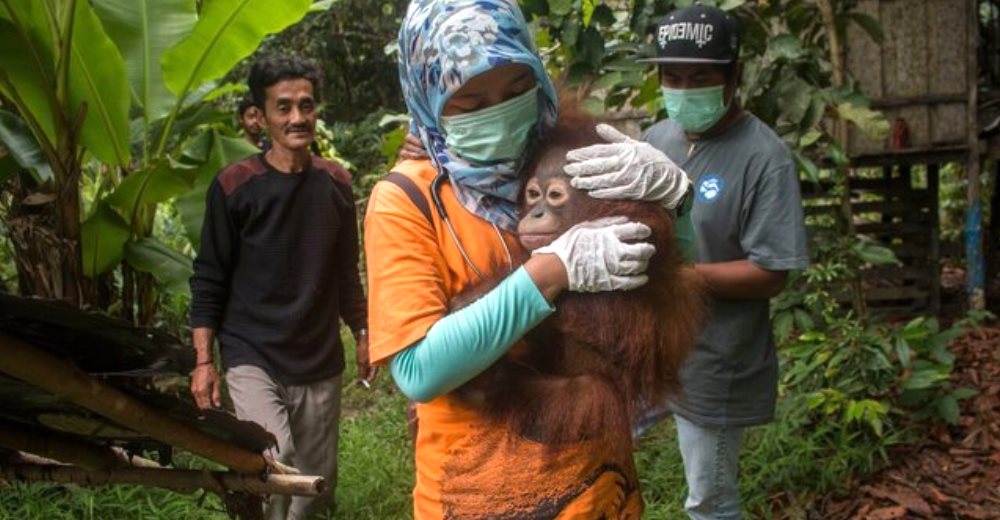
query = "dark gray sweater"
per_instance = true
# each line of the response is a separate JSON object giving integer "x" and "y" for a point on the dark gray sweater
{"x": 277, "y": 267}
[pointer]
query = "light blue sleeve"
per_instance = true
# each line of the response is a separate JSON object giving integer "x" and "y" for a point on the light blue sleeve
{"x": 461, "y": 345}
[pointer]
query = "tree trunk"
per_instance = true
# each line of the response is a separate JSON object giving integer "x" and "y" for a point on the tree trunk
{"x": 828, "y": 12}
{"x": 43, "y": 255}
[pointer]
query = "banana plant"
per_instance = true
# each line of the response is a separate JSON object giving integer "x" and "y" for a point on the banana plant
{"x": 123, "y": 88}
{"x": 66, "y": 81}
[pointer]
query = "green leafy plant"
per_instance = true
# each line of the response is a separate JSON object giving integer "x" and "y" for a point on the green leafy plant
{"x": 121, "y": 93}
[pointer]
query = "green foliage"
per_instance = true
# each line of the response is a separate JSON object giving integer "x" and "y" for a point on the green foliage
{"x": 227, "y": 31}
{"x": 143, "y": 31}
{"x": 661, "y": 473}
{"x": 372, "y": 146}
{"x": 97, "y": 81}
{"x": 353, "y": 41}
{"x": 103, "y": 237}
{"x": 206, "y": 153}
{"x": 62, "y": 69}
{"x": 851, "y": 386}
{"x": 170, "y": 268}
{"x": 122, "y": 96}
{"x": 22, "y": 147}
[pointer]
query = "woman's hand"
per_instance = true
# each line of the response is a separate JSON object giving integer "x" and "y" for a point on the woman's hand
{"x": 597, "y": 257}
{"x": 626, "y": 169}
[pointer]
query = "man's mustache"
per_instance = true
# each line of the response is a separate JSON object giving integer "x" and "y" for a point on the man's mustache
{"x": 298, "y": 128}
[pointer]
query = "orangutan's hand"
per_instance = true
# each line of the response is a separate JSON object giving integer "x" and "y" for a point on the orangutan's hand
{"x": 412, "y": 148}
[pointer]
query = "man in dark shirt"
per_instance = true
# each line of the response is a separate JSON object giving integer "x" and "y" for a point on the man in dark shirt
{"x": 248, "y": 117}
{"x": 278, "y": 265}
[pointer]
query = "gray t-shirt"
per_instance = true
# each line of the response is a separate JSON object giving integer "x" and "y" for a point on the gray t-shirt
{"x": 747, "y": 206}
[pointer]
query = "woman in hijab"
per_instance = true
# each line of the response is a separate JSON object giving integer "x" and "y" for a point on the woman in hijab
{"x": 478, "y": 96}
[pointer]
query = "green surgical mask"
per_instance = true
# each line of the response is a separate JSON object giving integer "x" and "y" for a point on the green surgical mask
{"x": 695, "y": 109}
{"x": 494, "y": 134}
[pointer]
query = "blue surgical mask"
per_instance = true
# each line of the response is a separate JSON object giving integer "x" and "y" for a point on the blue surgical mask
{"x": 695, "y": 109}
{"x": 493, "y": 134}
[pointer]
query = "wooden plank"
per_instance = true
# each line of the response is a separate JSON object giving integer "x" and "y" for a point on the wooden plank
{"x": 940, "y": 154}
{"x": 901, "y": 229}
{"x": 820, "y": 210}
{"x": 891, "y": 185}
{"x": 898, "y": 311}
{"x": 911, "y": 250}
{"x": 929, "y": 99}
{"x": 918, "y": 206}
{"x": 874, "y": 294}
{"x": 892, "y": 272}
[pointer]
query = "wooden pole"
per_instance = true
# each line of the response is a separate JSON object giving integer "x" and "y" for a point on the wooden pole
{"x": 184, "y": 480}
{"x": 975, "y": 277}
{"x": 21, "y": 457}
{"x": 828, "y": 13}
{"x": 59, "y": 447}
{"x": 60, "y": 378}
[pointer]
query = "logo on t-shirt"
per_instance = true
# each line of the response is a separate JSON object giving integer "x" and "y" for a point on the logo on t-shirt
{"x": 710, "y": 188}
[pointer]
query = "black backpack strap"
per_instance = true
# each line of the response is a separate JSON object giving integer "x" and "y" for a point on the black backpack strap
{"x": 413, "y": 192}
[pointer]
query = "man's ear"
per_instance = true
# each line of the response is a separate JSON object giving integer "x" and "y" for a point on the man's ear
{"x": 734, "y": 80}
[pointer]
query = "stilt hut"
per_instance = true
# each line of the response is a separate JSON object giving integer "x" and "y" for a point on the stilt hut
{"x": 925, "y": 77}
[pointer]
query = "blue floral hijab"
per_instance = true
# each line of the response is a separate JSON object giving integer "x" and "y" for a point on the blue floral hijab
{"x": 442, "y": 45}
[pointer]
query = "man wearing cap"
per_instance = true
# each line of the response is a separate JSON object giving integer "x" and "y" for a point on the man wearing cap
{"x": 748, "y": 233}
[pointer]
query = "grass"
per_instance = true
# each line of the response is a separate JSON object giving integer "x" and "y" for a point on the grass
{"x": 376, "y": 471}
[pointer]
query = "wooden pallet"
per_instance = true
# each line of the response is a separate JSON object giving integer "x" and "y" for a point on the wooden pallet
{"x": 891, "y": 211}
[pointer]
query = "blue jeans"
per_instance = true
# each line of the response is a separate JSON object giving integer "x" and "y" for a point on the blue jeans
{"x": 711, "y": 467}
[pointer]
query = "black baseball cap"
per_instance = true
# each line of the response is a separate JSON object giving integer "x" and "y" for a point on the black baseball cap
{"x": 697, "y": 34}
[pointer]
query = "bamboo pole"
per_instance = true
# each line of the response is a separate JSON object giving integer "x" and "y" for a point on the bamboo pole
{"x": 128, "y": 460}
{"x": 58, "y": 377}
{"x": 59, "y": 447}
{"x": 183, "y": 480}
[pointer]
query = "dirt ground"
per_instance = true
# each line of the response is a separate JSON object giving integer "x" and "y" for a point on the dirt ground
{"x": 955, "y": 472}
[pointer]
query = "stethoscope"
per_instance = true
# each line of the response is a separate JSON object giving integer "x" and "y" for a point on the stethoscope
{"x": 439, "y": 206}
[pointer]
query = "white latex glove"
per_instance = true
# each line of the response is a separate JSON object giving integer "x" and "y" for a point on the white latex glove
{"x": 626, "y": 169}
{"x": 597, "y": 258}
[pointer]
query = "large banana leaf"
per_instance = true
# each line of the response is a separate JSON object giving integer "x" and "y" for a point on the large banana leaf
{"x": 97, "y": 79}
{"x": 142, "y": 31}
{"x": 26, "y": 73}
{"x": 158, "y": 184}
{"x": 102, "y": 237}
{"x": 17, "y": 138}
{"x": 227, "y": 31}
{"x": 170, "y": 268}
{"x": 219, "y": 152}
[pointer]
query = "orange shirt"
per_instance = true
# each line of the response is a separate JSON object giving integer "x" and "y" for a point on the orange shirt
{"x": 467, "y": 468}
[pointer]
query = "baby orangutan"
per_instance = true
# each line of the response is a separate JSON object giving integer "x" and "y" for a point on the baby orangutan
{"x": 587, "y": 372}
